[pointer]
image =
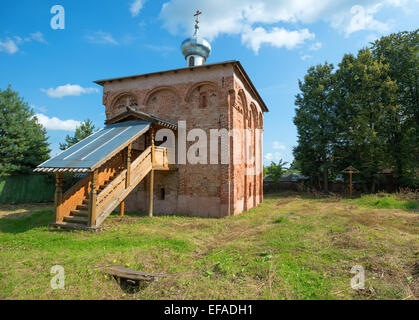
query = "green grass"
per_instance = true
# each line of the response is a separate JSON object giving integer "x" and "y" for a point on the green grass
{"x": 386, "y": 201}
{"x": 290, "y": 247}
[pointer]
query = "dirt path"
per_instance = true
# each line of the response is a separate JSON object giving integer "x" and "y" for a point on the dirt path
{"x": 9, "y": 211}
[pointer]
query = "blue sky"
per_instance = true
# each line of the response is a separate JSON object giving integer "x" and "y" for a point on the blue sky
{"x": 275, "y": 40}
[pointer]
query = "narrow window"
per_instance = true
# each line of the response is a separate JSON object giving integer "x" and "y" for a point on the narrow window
{"x": 162, "y": 193}
{"x": 192, "y": 61}
{"x": 203, "y": 101}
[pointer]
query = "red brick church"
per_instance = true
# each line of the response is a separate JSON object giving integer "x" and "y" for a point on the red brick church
{"x": 147, "y": 157}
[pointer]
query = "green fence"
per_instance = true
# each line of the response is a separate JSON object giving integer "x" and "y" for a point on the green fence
{"x": 27, "y": 189}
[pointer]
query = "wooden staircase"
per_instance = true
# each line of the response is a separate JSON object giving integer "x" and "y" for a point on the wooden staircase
{"x": 79, "y": 217}
{"x": 87, "y": 204}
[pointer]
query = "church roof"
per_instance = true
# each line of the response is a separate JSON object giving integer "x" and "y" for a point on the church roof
{"x": 237, "y": 65}
{"x": 131, "y": 114}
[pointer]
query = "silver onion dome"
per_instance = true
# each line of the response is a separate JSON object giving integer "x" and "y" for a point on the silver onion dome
{"x": 196, "y": 49}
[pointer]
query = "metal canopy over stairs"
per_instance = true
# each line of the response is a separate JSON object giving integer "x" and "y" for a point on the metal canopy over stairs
{"x": 114, "y": 170}
{"x": 91, "y": 152}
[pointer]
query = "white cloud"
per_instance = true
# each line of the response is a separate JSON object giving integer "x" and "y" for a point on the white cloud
{"x": 277, "y": 37}
{"x": 316, "y": 46}
{"x": 9, "y": 46}
{"x": 278, "y": 146}
{"x": 159, "y": 48}
{"x": 56, "y": 124}
{"x": 136, "y": 7}
{"x": 305, "y": 57}
{"x": 68, "y": 90}
{"x": 39, "y": 37}
{"x": 41, "y": 109}
{"x": 251, "y": 19}
{"x": 101, "y": 37}
{"x": 276, "y": 156}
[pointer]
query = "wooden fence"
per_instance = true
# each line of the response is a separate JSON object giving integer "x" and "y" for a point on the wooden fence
{"x": 26, "y": 189}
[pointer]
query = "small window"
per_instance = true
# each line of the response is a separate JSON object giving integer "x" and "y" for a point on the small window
{"x": 162, "y": 193}
{"x": 192, "y": 61}
{"x": 203, "y": 101}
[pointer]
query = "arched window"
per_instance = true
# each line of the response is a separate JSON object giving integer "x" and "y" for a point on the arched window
{"x": 124, "y": 101}
{"x": 192, "y": 61}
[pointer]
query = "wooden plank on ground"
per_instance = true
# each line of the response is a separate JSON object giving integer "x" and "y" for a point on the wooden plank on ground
{"x": 130, "y": 274}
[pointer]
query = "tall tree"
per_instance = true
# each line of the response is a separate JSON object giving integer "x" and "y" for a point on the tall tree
{"x": 315, "y": 122}
{"x": 23, "y": 141}
{"x": 366, "y": 100}
{"x": 401, "y": 52}
{"x": 85, "y": 129}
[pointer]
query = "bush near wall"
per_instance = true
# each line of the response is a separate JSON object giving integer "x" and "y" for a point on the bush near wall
{"x": 27, "y": 189}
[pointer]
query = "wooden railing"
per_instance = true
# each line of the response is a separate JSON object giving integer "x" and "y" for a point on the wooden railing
{"x": 81, "y": 190}
{"x": 72, "y": 198}
{"x": 140, "y": 164}
{"x": 110, "y": 168}
{"x": 160, "y": 157}
{"x": 111, "y": 192}
{"x": 119, "y": 188}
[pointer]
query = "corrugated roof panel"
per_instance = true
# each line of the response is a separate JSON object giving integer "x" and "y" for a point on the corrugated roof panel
{"x": 90, "y": 152}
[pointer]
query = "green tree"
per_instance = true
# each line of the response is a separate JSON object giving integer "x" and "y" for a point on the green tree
{"x": 295, "y": 167}
{"x": 315, "y": 117}
{"x": 366, "y": 101}
{"x": 401, "y": 52}
{"x": 85, "y": 129}
{"x": 276, "y": 170}
{"x": 23, "y": 141}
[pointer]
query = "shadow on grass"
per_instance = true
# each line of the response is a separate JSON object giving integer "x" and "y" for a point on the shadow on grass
{"x": 25, "y": 223}
{"x": 131, "y": 286}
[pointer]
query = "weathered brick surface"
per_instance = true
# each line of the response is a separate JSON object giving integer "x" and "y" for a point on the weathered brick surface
{"x": 206, "y": 98}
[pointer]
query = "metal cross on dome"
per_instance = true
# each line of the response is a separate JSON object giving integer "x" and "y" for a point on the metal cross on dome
{"x": 197, "y": 14}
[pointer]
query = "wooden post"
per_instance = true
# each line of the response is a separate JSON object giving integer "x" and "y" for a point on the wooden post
{"x": 151, "y": 194}
{"x": 58, "y": 199}
{"x": 153, "y": 155}
{"x": 128, "y": 166}
{"x": 151, "y": 186}
{"x": 165, "y": 159}
{"x": 92, "y": 201}
{"x": 350, "y": 184}
{"x": 122, "y": 209}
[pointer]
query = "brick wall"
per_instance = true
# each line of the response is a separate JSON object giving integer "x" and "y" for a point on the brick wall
{"x": 206, "y": 98}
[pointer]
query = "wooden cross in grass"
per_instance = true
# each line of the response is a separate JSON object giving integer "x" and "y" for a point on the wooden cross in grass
{"x": 350, "y": 170}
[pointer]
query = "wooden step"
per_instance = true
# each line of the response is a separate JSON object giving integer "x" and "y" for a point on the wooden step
{"x": 82, "y": 213}
{"x": 73, "y": 226}
{"x": 76, "y": 219}
{"x": 82, "y": 207}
